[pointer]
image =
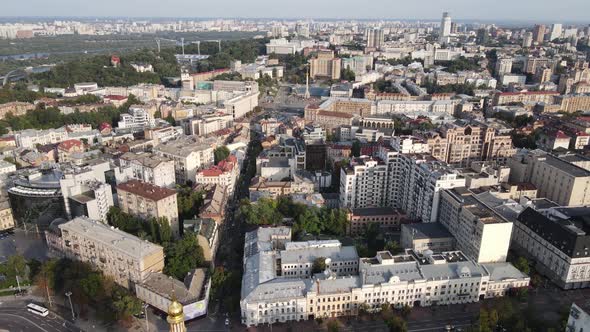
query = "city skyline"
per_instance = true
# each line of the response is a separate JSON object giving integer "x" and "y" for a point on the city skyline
{"x": 307, "y": 9}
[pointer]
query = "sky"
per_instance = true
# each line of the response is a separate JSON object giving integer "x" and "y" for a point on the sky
{"x": 520, "y": 10}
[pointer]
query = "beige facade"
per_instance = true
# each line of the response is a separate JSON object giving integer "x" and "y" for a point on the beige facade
{"x": 6, "y": 219}
{"x": 573, "y": 103}
{"x": 122, "y": 256}
{"x": 148, "y": 201}
{"x": 460, "y": 145}
{"x": 388, "y": 219}
{"x": 325, "y": 65}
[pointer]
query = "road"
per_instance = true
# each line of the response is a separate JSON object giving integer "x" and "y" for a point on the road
{"x": 17, "y": 319}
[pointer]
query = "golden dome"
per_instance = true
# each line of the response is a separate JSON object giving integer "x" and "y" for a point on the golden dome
{"x": 175, "y": 308}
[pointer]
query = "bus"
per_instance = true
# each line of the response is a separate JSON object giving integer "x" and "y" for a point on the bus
{"x": 37, "y": 309}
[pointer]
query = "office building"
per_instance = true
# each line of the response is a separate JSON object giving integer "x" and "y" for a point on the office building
{"x": 481, "y": 233}
{"x": 422, "y": 237}
{"x": 557, "y": 239}
{"x": 445, "y": 27}
{"x": 119, "y": 255}
{"x": 293, "y": 292}
{"x": 325, "y": 65}
{"x": 147, "y": 201}
{"x": 555, "y": 178}
{"x": 387, "y": 219}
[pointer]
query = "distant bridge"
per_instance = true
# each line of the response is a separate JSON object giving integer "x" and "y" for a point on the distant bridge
{"x": 14, "y": 75}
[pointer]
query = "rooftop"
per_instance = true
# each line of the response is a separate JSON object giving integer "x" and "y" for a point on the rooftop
{"x": 146, "y": 190}
{"x": 429, "y": 230}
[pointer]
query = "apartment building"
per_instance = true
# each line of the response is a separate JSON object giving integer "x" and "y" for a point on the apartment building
{"x": 557, "y": 238}
{"x": 6, "y": 219}
{"x": 416, "y": 106}
{"x": 325, "y": 65}
{"x": 461, "y": 143}
{"x": 413, "y": 279}
{"x": 573, "y": 103}
{"x": 125, "y": 258}
{"x": 555, "y": 178}
{"x": 189, "y": 155}
{"x": 503, "y": 98}
{"x": 145, "y": 201}
{"x": 137, "y": 118}
{"x": 240, "y": 104}
{"x": 206, "y": 124}
{"x": 363, "y": 183}
{"x": 147, "y": 167}
{"x": 30, "y": 138}
{"x": 481, "y": 233}
{"x": 421, "y": 178}
{"x": 225, "y": 173}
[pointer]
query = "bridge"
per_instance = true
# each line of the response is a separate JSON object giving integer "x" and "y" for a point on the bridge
{"x": 14, "y": 75}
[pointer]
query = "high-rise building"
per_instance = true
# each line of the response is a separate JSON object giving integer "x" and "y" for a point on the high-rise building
{"x": 527, "y": 39}
{"x": 325, "y": 65}
{"x": 556, "y": 31}
{"x": 483, "y": 36}
{"x": 503, "y": 66}
{"x": 375, "y": 37}
{"x": 445, "y": 25}
{"x": 539, "y": 33}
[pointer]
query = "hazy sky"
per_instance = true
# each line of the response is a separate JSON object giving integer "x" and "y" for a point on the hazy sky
{"x": 526, "y": 10}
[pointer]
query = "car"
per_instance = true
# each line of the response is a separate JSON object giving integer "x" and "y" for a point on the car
{"x": 227, "y": 322}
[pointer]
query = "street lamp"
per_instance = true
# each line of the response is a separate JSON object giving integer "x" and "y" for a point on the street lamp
{"x": 145, "y": 307}
{"x": 69, "y": 295}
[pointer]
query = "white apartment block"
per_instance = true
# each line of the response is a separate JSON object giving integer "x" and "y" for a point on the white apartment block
{"x": 558, "y": 239}
{"x": 579, "y": 319}
{"x": 269, "y": 296}
{"x": 189, "y": 155}
{"x": 402, "y": 106}
{"x": 122, "y": 256}
{"x": 147, "y": 167}
{"x": 137, "y": 118}
{"x": 423, "y": 177}
{"x": 207, "y": 124}
{"x": 30, "y": 138}
{"x": 363, "y": 183}
{"x": 85, "y": 191}
{"x": 240, "y": 105}
{"x": 480, "y": 233}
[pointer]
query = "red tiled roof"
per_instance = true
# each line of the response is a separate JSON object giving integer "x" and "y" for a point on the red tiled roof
{"x": 115, "y": 97}
{"x": 335, "y": 114}
{"x": 146, "y": 190}
{"x": 69, "y": 144}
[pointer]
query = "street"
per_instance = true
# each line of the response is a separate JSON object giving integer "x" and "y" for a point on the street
{"x": 15, "y": 318}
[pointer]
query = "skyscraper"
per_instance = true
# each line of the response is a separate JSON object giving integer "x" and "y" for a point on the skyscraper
{"x": 556, "y": 31}
{"x": 445, "y": 26}
{"x": 527, "y": 40}
{"x": 375, "y": 37}
{"x": 539, "y": 33}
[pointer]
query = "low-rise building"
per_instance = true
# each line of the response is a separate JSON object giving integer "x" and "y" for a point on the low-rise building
{"x": 189, "y": 155}
{"x": 386, "y": 218}
{"x": 206, "y": 231}
{"x": 147, "y": 167}
{"x": 6, "y": 219}
{"x": 421, "y": 237}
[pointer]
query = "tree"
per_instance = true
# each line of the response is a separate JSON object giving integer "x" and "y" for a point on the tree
{"x": 319, "y": 265}
{"x": 523, "y": 265}
{"x": 183, "y": 256}
{"x": 393, "y": 247}
{"x": 347, "y": 74}
{"x": 333, "y": 325}
{"x": 126, "y": 305}
{"x": 397, "y": 324}
{"x": 221, "y": 153}
{"x": 356, "y": 148}
{"x": 171, "y": 120}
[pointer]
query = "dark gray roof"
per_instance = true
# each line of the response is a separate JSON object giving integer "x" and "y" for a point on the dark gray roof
{"x": 428, "y": 230}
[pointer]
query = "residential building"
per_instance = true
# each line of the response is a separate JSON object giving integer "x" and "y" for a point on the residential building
{"x": 68, "y": 147}
{"x": 6, "y": 219}
{"x": 119, "y": 255}
{"x": 481, "y": 233}
{"x": 145, "y": 201}
{"x": 30, "y": 138}
{"x": 147, "y": 167}
{"x": 225, "y": 173}
{"x": 363, "y": 183}
{"x": 422, "y": 237}
{"x": 7, "y": 167}
{"x": 445, "y": 26}
{"x": 539, "y": 33}
{"x": 138, "y": 118}
{"x": 557, "y": 238}
{"x": 503, "y": 98}
{"x": 293, "y": 292}
{"x": 375, "y": 38}
{"x": 189, "y": 155}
